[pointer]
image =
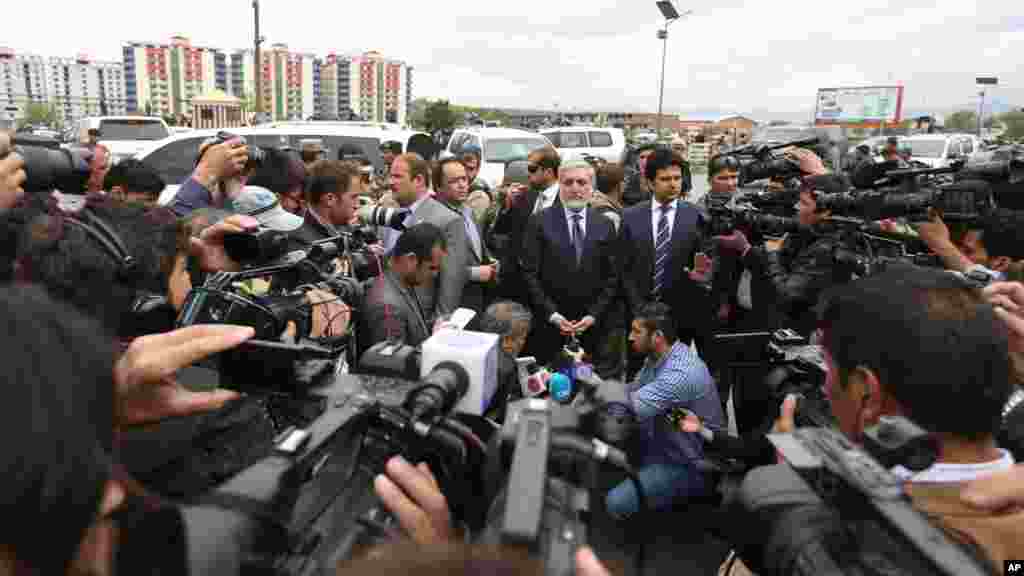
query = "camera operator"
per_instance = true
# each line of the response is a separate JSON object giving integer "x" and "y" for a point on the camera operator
{"x": 215, "y": 178}
{"x": 12, "y": 175}
{"x": 989, "y": 246}
{"x": 801, "y": 269}
{"x": 956, "y": 394}
{"x": 331, "y": 197}
{"x": 392, "y": 310}
{"x": 283, "y": 173}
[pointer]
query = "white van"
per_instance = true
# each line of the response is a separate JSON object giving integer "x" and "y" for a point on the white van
{"x": 499, "y": 147}
{"x": 175, "y": 157}
{"x": 124, "y": 136}
{"x": 576, "y": 142}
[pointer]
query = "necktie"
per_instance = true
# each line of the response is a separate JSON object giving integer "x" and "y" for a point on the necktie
{"x": 471, "y": 231}
{"x": 661, "y": 252}
{"x": 577, "y": 236}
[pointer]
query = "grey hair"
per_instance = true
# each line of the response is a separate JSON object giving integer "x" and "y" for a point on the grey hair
{"x": 575, "y": 164}
{"x": 505, "y": 318}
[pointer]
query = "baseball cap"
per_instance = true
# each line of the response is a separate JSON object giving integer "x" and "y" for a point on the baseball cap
{"x": 264, "y": 206}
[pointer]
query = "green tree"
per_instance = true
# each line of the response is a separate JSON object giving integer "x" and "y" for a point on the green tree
{"x": 1014, "y": 122}
{"x": 40, "y": 113}
{"x": 418, "y": 113}
{"x": 962, "y": 121}
{"x": 440, "y": 116}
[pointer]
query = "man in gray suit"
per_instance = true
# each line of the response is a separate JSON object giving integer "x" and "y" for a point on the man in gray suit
{"x": 410, "y": 175}
{"x": 392, "y": 309}
{"x": 451, "y": 184}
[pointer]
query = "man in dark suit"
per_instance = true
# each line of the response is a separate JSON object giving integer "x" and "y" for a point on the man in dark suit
{"x": 569, "y": 266}
{"x": 451, "y": 183}
{"x": 659, "y": 241}
{"x": 392, "y": 310}
{"x": 517, "y": 205}
{"x": 331, "y": 200}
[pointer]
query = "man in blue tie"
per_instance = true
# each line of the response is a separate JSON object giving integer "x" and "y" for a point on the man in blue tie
{"x": 451, "y": 185}
{"x": 660, "y": 249}
{"x": 569, "y": 267}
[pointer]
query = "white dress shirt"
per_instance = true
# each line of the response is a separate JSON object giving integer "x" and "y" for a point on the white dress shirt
{"x": 572, "y": 223}
{"x": 656, "y": 216}
{"x": 546, "y": 198}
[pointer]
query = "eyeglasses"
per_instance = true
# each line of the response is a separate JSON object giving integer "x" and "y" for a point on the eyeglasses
{"x": 531, "y": 168}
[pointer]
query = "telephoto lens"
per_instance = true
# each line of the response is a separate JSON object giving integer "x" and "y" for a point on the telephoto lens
{"x": 49, "y": 167}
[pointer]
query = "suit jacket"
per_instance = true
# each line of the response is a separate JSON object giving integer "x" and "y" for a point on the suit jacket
{"x": 636, "y": 251}
{"x": 443, "y": 293}
{"x": 391, "y": 312}
{"x": 474, "y": 294}
{"x": 554, "y": 280}
{"x": 506, "y": 238}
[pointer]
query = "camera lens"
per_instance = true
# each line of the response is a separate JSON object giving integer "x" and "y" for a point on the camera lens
{"x": 49, "y": 169}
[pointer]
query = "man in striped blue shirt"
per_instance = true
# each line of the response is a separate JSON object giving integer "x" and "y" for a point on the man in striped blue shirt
{"x": 673, "y": 377}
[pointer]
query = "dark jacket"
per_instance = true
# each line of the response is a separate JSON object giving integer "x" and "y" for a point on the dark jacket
{"x": 312, "y": 230}
{"x": 475, "y": 294}
{"x": 555, "y": 282}
{"x": 505, "y": 239}
{"x": 687, "y": 299}
{"x": 797, "y": 275}
{"x": 391, "y": 312}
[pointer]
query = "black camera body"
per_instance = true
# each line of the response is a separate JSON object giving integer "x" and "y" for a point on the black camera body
{"x": 50, "y": 167}
{"x": 761, "y": 162}
{"x": 726, "y": 216}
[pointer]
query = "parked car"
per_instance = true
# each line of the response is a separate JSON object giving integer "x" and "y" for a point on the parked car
{"x": 499, "y": 147}
{"x": 609, "y": 144}
{"x": 938, "y": 150}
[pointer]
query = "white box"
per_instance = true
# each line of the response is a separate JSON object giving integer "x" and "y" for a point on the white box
{"x": 477, "y": 352}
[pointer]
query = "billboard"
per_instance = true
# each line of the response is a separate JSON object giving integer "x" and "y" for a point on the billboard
{"x": 870, "y": 105}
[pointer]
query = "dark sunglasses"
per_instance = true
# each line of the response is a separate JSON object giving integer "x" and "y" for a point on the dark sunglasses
{"x": 531, "y": 168}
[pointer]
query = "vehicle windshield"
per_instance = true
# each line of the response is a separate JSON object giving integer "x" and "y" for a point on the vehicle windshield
{"x": 132, "y": 130}
{"x": 926, "y": 148}
{"x": 505, "y": 150}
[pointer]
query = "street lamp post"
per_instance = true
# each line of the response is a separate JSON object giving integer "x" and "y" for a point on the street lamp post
{"x": 668, "y": 10}
{"x": 984, "y": 81}
{"x": 258, "y": 64}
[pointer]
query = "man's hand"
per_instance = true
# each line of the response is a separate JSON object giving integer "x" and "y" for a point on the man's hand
{"x": 996, "y": 492}
{"x": 514, "y": 194}
{"x": 562, "y": 323}
{"x": 690, "y": 423}
{"x": 587, "y": 564}
{"x": 786, "y": 422}
{"x": 209, "y": 247}
{"x": 331, "y": 316}
{"x": 810, "y": 163}
{"x": 12, "y": 174}
{"x": 487, "y": 273}
{"x": 1008, "y": 299}
{"x": 413, "y": 495}
{"x": 736, "y": 242}
{"x": 221, "y": 162}
{"x": 144, "y": 375}
{"x": 584, "y": 324}
{"x": 376, "y": 249}
{"x": 701, "y": 268}
{"x": 934, "y": 232}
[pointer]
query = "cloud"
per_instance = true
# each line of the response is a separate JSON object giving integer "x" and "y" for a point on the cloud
{"x": 729, "y": 55}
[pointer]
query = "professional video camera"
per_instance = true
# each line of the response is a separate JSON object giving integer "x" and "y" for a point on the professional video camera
{"x": 837, "y": 509}
{"x": 49, "y": 167}
{"x": 266, "y": 247}
{"x": 376, "y": 215}
{"x": 758, "y": 162}
{"x": 725, "y": 216}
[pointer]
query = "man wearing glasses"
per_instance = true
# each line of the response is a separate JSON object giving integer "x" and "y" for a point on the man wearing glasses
{"x": 516, "y": 206}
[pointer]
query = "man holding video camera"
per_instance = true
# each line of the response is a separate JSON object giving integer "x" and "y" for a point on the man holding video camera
{"x": 803, "y": 267}
{"x": 952, "y": 377}
{"x": 331, "y": 197}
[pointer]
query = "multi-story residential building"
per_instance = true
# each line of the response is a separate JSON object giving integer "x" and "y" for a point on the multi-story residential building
{"x": 367, "y": 86}
{"x": 77, "y": 86}
{"x": 291, "y": 82}
{"x": 163, "y": 78}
